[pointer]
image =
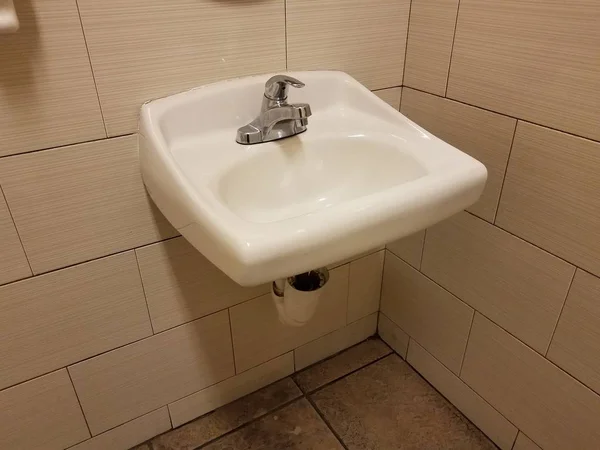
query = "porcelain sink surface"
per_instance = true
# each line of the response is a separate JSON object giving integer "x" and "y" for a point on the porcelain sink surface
{"x": 361, "y": 175}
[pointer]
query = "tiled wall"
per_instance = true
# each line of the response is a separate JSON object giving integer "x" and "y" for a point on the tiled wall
{"x": 112, "y": 328}
{"x": 499, "y": 306}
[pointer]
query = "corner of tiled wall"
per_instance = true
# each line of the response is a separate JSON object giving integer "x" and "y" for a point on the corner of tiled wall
{"x": 497, "y": 306}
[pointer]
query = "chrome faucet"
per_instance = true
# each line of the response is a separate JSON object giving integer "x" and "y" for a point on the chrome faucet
{"x": 277, "y": 119}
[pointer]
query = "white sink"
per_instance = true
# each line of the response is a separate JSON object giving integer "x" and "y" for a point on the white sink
{"x": 361, "y": 175}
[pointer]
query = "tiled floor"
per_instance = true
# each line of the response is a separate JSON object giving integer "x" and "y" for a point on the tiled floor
{"x": 366, "y": 397}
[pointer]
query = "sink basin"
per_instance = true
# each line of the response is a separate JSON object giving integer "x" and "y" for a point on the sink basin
{"x": 305, "y": 174}
{"x": 361, "y": 175}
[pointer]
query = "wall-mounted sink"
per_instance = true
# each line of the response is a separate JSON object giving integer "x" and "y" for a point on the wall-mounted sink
{"x": 361, "y": 175}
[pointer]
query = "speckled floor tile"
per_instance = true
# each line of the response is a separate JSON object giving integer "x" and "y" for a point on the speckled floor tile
{"x": 295, "y": 427}
{"x": 387, "y": 405}
{"x": 228, "y": 417}
{"x": 342, "y": 364}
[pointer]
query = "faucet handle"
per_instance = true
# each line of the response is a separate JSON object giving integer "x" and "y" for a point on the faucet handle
{"x": 276, "y": 88}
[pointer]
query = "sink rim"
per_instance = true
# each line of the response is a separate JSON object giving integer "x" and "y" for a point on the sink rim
{"x": 242, "y": 249}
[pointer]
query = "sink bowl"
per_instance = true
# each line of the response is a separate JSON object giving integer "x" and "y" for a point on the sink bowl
{"x": 361, "y": 175}
{"x": 305, "y": 174}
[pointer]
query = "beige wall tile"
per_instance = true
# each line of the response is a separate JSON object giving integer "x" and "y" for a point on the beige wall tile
{"x": 550, "y": 196}
{"x": 544, "y": 402}
{"x": 477, "y": 410}
{"x": 13, "y": 264}
{"x": 354, "y": 257}
{"x": 517, "y": 285}
{"x": 48, "y": 96}
{"x": 144, "y": 49}
{"x": 182, "y": 285}
{"x": 391, "y": 96}
{"x": 258, "y": 335}
{"x": 532, "y": 59}
{"x": 430, "y": 38}
{"x": 392, "y": 335}
{"x": 428, "y": 313}
{"x": 123, "y": 384}
{"x": 131, "y": 433}
{"x": 364, "y": 288}
{"x": 576, "y": 343}
{"x": 355, "y": 36}
{"x": 62, "y": 317}
{"x": 335, "y": 342}
{"x": 524, "y": 443}
{"x": 41, "y": 414}
{"x": 409, "y": 248}
{"x": 484, "y": 135}
{"x": 217, "y": 395}
{"x": 80, "y": 202}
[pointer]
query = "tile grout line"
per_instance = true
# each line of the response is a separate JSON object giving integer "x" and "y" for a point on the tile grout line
{"x": 250, "y": 422}
{"x": 404, "y": 86}
{"x": 531, "y": 243}
{"x": 401, "y": 95}
{"x": 87, "y": 49}
{"x": 423, "y": 249}
{"x": 69, "y": 144}
{"x": 494, "y": 322}
{"x": 285, "y": 32}
{"x": 98, "y": 258}
{"x": 133, "y": 342}
{"x": 235, "y": 372}
{"x": 385, "y": 252}
{"x": 12, "y": 218}
{"x": 348, "y": 293}
{"x": 452, "y": 49}
{"x": 411, "y": 339}
{"x": 560, "y": 314}
{"x": 346, "y": 262}
{"x": 80, "y": 406}
{"x": 462, "y": 362}
{"x": 512, "y": 447}
{"x": 137, "y": 262}
{"x": 512, "y": 143}
{"x": 325, "y": 421}
{"x": 520, "y": 119}
{"x": 73, "y": 363}
{"x": 306, "y": 395}
{"x": 120, "y": 425}
{"x": 386, "y": 88}
{"x": 336, "y": 353}
{"x": 329, "y": 383}
{"x": 406, "y": 48}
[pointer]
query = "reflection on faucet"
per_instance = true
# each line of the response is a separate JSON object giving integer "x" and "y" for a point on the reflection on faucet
{"x": 277, "y": 118}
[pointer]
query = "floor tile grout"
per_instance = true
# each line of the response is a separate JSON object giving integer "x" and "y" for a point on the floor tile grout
{"x": 326, "y": 422}
{"x": 307, "y": 395}
{"x": 373, "y": 336}
{"x": 303, "y": 395}
{"x": 446, "y": 398}
{"x": 251, "y": 421}
{"x": 329, "y": 383}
